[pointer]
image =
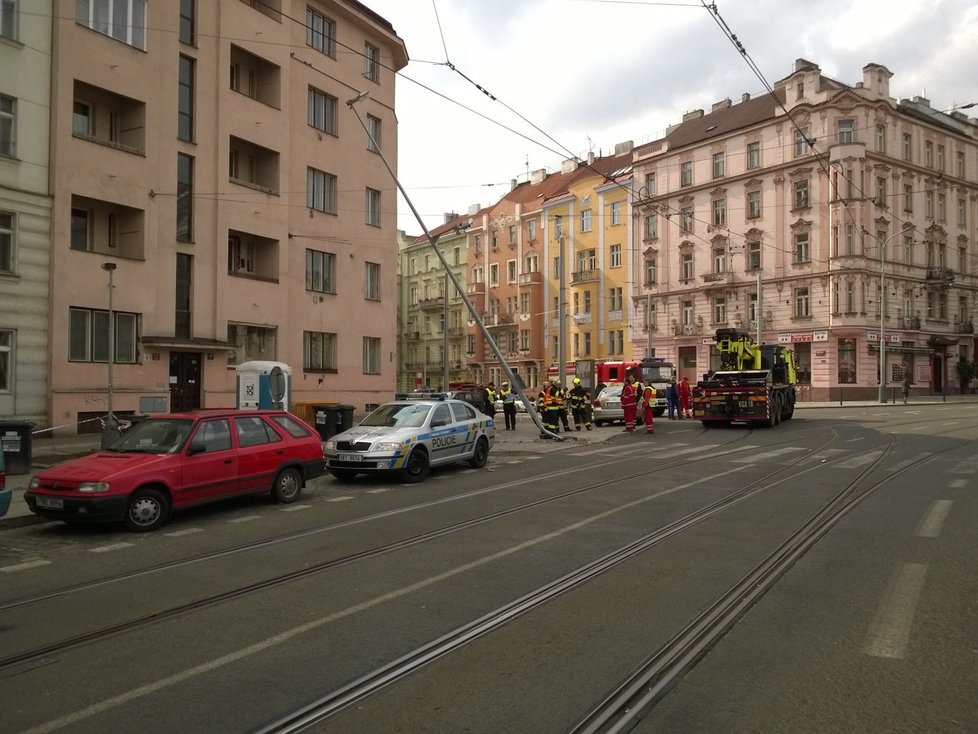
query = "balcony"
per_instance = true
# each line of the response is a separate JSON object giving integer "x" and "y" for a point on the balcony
{"x": 580, "y": 319}
{"x": 910, "y": 322}
{"x": 430, "y": 304}
{"x": 585, "y": 276}
{"x": 531, "y": 279}
{"x": 107, "y": 228}
{"x": 253, "y": 166}
{"x": 716, "y": 279}
{"x": 475, "y": 288}
{"x": 688, "y": 329}
{"x": 251, "y": 256}
{"x": 966, "y": 327}
{"x": 939, "y": 277}
{"x": 497, "y": 320}
{"x": 456, "y": 331}
{"x": 109, "y": 119}
{"x": 255, "y": 77}
{"x": 412, "y": 336}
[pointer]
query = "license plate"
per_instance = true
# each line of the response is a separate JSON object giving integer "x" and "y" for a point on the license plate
{"x": 350, "y": 457}
{"x": 51, "y": 503}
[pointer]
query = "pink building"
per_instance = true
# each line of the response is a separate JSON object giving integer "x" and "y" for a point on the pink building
{"x": 207, "y": 151}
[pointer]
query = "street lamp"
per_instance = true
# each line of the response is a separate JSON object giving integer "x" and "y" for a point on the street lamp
{"x": 110, "y": 430}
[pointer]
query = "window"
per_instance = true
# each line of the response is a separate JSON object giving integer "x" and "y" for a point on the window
{"x": 719, "y": 310}
{"x": 81, "y": 230}
{"x": 6, "y": 242}
{"x": 908, "y": 197}
{"x": 8, "y": 126}
{"x": 318, "y": 351}
{"x": 586, "y": 260}
{"x": 686, "y": 266}
{"x": 881, "y": 138}
{"x": 650, "y": 271}
{"x": 214, "y": 435}
{"x": 616, "y": 341}
{"x": 801, "y": 194}
{"x": 185, "y": 198}
{"x": 752, "y": 309}
{"x": 371, "y": 281}
{"x": 801, "y": 142}
{"x": 493, "y": 274}
{"x": 615, "y": 256}
{"x": 940, "y": 157}
{"x": 251, "y": 342}
{"x": 881, "y": 199}
{"x": 525, "y": 303}
{"x": 850, "y": 297}
{"x": 557, "y": 267}
{"x": 847, "y": 361}
{"x": 531, "y": 230}
{"x": 82, "y": 119}
{"x": 753, "y": 255}
{"x": 929, "y": 204}
{"x": 753, "y": 156}
{"x": 371, "y": 62}
{"x": 123, "y": 20}
{"x": 801, "y": 303}
{"x": 650, "y": 184}
{"x": 322, "y": 111}
{"x": 686, "y": 173}
{"x": 616, "y": 213}
{"x": 241, "y": 255}
{"x": 651, "y": 227}
{"x": 530, "y": 263}
{"x": 185, "y": 101}
{"x": 6, "y": 360}
{"x": 720, "y": 260}
{"x": 941, "y": 207}
{"x": 371, "y": 356}
{"x": 686, "y": 312}
{"x": 320, "y": 32}
{"x": 961, "y": 165}
{"x": 188, "y": 22}
{"x": 320, "y": 191}
{"x": 372, "y": 207}
{"x": 907, "y": 147}
{"x": 510, "y": 271}
{"x": 962, "y": 213}
{"x": 720, "y": 213}
{"x": 373, "y": 136}
{"x": 686, "y": 220}
{"x": 253, "y": 431}
{"x": 753, "y": 204}
{"x": 929, "y": 154}
{"x": 845, "y": 131}
{"x": 511, "y": 232}
{"x": 558, "y": 226}
{"x": 718, "y": 164}
{"x": 586, "y": 220}
{"x": 88, "y": 336}
{"x": 801, "y": 248}
{"x": 615, "y": 299}
{"x": 320, "y": 271}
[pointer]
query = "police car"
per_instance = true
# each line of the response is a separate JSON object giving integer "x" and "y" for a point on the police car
{"x": 409, "y": 436}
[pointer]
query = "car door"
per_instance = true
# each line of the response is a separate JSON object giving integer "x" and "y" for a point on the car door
{"x": 210, "y": 465}
{"x": 260, "y": 453}
{"x": 467, "y": 423}
{"x": 444, "y": 441}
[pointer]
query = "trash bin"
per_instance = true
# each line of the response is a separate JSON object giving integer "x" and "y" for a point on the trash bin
{"x": 16, "y": 438}
{"x": 331, "y": 419}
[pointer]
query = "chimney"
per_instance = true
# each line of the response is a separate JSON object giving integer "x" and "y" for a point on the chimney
{"x": 538, "y": 176}
{"x": 568, "y": 166}
{"x": 449, "y": 216}
{"x": 590, "y": 157}
{"x": 625, "y": 147}
{"x": 745, "y": 97}
{"x": 474, "y": 209}
{"x": 804, "y": 65}
{"x": 692, "y": 115}
{"x": 721, "y": 105}
{"x": 512, "y": 184}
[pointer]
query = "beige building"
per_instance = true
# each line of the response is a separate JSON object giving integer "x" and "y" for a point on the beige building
{"x": 25, "y": 209}
{"x": 815, "y": 195}
{"x": 207, "y": 151}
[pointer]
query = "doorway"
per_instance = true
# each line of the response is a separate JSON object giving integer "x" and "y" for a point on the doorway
{"x": 184, "y": 381}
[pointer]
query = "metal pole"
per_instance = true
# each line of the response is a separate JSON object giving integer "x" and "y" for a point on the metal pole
{"x": 562, "y": 315}
{"x": 458, "y": 286}
{"x": 444, "y": 342}
{"x": 760, "y": 317}
{"x": 110, "y": 428}
{"x": 881, "y": 397}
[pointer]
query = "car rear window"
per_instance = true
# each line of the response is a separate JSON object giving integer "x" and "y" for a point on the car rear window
{"x": 253, "y": 431}
{"x": 463, "y": 412}
{"x": 291, "y": 426}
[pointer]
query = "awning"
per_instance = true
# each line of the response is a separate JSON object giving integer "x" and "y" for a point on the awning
{"x": 938, "y": 341}
{"x": 192, "y": 344}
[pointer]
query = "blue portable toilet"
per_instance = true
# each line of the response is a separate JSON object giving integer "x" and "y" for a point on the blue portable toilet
{"x": 264, "y": 384}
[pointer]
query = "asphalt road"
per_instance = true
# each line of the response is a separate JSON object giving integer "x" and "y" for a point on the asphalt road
{"x": 248, "y": 611}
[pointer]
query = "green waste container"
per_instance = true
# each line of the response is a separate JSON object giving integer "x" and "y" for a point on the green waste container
{"x": 331, "y": 419}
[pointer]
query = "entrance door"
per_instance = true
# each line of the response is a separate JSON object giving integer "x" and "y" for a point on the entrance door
{"x": 937, "y": 373}
{"x": 184, "y": 381}
{"x": 687, "y": 364}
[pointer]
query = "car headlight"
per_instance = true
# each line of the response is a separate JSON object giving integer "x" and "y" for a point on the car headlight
{"x": 387, "y": 446}
{"x": 93, "y": 487}
{"x": 330, "y": 445}
{"x": 35, "y": 483}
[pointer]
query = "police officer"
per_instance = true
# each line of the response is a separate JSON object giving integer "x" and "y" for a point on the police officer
{"x": 509, "y": 406}
{"x": 580, "y": 404}
{"x": 490, "y": 398}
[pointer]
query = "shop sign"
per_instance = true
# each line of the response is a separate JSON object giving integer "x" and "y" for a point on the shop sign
{"x": 803, "y": 336}
{"x": 891, "y": 337}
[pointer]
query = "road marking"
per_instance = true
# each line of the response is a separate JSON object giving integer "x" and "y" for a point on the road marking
{"x": 776, "y": 454}
{"x": 246, "y": 518}
{"x": 908, "y": 462}
{"x": 931, "y": 525}
{"x": 860, "y": 460}
{"x": 23, "y": 566}
{"x": 344, "y": 498}
{"x": 919, "y": 428}
{"x": 112, "y": 547}
{"x": 957, "y": 483}
{"x": 188, "y": 531}
{"x": 889, "y": 633}
{"x": 823, "y": 456}
{"x": 967, "y": 466}
{"x": 313, "y": 624}
{"x": 296, "y": 508}
{"x": 861, "y": 438}
{"x": 952, "y": 423}
{"x": 379, "y": 490}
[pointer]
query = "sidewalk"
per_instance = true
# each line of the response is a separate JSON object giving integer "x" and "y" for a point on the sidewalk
{"x": 524, "y": 440}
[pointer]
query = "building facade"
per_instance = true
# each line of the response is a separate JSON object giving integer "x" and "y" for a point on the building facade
{"x": 25, "y": 210}
{"x": 783, "y": 215}
{"x": 245, "y": 208}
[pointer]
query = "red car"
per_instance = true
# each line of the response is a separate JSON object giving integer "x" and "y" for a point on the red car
{"x": 175, "y": 460}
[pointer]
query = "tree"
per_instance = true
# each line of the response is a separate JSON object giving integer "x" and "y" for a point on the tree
{"x": 966, "y": 373}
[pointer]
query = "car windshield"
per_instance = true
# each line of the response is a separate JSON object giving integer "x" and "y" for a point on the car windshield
{"x": 153, "y": 436}
{"x": 659, "y": 373}
{"x": 400, "y": 415}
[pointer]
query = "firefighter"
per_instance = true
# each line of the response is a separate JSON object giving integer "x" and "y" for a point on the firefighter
{"x": 560, "y": 398}
{"x": 648, "y": 406}
{"x": 548, "y": 411}
{"x": 580, "y": 403}
{"x": 629, "y": 403}
{"x": 509, "y": 405}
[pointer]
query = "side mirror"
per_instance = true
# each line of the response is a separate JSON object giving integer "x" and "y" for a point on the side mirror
{"x": 196, "y": 447}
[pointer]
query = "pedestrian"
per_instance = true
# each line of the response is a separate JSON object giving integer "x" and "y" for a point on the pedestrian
{"x": 509, "y": 406}
{"x": 580, "y": 402}
{"x": 629, "y": 403}
{"x": 672, "y": 398}
{"x": 648, "y": 407}
{"x": 490, "y": 398}
{"x": 685, "y": 398}
{"x": 907, "y": 382}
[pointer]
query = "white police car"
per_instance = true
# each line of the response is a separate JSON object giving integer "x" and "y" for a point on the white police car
{"x": 409, "y": 436}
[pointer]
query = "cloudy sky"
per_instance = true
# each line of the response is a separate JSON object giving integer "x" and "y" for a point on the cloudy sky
{"x": 571, "y": 76}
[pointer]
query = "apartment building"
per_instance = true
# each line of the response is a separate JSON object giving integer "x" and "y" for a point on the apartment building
{"x": 434, "y": 315}
{"x": 25, "y": 209}
{"x": 821, "y": 216}
{"x": 211, "y": 185}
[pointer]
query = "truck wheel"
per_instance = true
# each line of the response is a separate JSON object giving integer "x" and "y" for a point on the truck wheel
{"x": 790, "y": 408}
{"x": 774, "y": 412}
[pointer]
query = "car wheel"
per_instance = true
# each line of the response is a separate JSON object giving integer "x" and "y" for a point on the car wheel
{"x": 598, "y": 424}
{"x": 481, "y": 455}
{"x": 417, "y": 466}
{"x": 344, "y": 475}
{"x": 288, "y": 486}
{"x": 657, "y": 412}
{"x": 146, "y": 510}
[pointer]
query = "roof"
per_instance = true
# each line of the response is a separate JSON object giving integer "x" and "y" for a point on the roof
{"x": 726, "y": 120}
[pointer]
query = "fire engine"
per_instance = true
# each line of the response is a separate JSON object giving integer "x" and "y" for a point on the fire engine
{"x": 653, "y": 371}
{"x": 755, "y": 383}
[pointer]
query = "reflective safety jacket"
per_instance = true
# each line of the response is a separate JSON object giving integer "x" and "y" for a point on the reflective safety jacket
{"x": 579, "y": 397}
{"x": 507, "y": 395}
{"x": 648, "y": 397}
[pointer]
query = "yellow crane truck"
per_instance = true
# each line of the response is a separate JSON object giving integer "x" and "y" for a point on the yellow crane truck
{"x": 755, "y": 383}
